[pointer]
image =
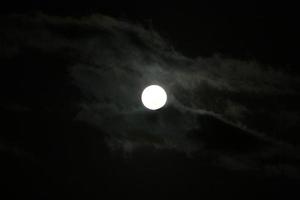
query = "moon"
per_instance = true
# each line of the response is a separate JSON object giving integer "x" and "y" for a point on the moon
{"x": 154, "y": 97}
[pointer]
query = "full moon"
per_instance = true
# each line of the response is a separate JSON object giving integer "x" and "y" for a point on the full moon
{"x": 154, "y": 97}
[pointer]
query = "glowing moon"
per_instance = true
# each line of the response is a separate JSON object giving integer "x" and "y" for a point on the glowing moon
{"x": 154, "y": 97}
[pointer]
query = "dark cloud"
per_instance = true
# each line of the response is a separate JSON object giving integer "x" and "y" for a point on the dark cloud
{"x": 230, "y": 109}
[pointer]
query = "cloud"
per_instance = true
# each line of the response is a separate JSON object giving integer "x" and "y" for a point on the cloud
{"x": 111, "y": 61}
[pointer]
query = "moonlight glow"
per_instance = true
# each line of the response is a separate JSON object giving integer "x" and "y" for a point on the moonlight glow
{"x": 154, "y": 97}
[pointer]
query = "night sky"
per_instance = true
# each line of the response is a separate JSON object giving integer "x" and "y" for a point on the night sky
{"x": 73, "y": 125}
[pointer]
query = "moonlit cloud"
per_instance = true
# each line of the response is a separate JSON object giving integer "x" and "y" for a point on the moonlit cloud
{"x": 111, "y": 61}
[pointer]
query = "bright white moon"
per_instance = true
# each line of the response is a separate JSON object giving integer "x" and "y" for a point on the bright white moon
{"x": 154, "y": 97}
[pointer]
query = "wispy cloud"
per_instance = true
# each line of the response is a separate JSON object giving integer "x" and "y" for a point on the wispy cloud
{"x": 111, "y": 61}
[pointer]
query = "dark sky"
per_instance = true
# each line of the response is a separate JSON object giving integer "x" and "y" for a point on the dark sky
{"x": 258, "y": 30}
{"x": 73, "y": 125}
